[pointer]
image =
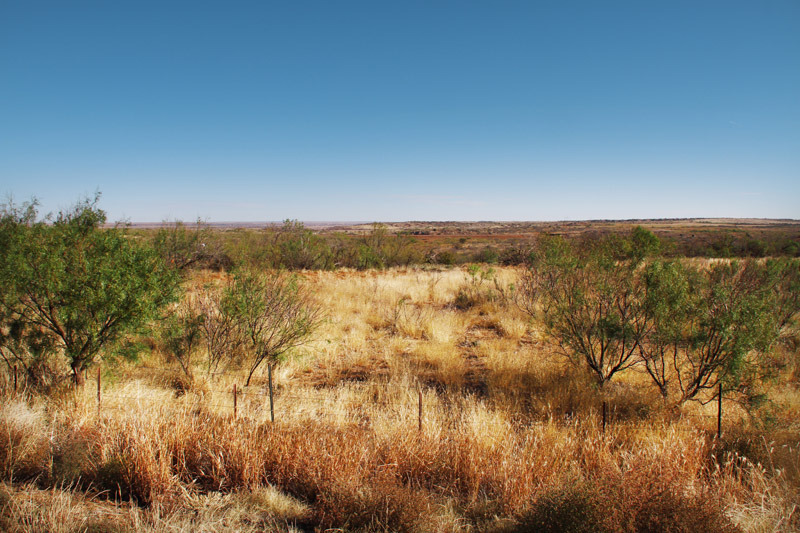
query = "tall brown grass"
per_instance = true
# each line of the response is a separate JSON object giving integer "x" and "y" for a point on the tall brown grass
{"x": 524, "y": 451}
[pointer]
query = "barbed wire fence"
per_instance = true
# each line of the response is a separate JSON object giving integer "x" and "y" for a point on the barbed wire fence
{"x": 281, "y": 402}
{"x": 240, "y": 402}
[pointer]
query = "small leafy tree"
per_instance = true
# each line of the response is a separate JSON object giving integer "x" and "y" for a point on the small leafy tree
{"x": 784, "y": 282}
{"x": 181, "y": 332}
{"x": 297, "y": 247}
{"x": 668, "y": 301}
{"x": 21, "y": 346}
{"x": 183, "y": 247}
{"x": 707, "y": 324}
{"x": 380, "y": 249}
{"x": 218, "y": 322}
{"x": 273, "y": 314}
{"x": 590, "y": 298}
{"x": 475, "y": 290}
{"x": 28, "y": 349}
{"x": 78, "y": 284}
{"x": 372, "y": 248}
{"x": 731, "y": 317}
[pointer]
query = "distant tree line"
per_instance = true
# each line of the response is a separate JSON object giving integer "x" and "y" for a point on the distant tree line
{"x": 725, "y": 244}
{"x": 293, "y": 246}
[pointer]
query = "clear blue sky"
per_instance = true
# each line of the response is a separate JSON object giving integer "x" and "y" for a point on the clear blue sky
{"x": 429, "y": 110}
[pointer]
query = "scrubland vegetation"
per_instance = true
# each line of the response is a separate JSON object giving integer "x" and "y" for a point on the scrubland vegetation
{"x": 576, "y": 392}
{"x": 292, "y": 245}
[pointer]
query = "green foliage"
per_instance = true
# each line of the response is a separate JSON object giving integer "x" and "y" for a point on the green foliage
{"x": 608, "y": 305}
{"x": 667, "y": 300}
{"x": 76, "y": 284}
{"x": 292, "y": 246}
{"x": 487, "y": 255}
{"x": 589, "y": 297}
{"x": 368, "y": 257}
{"x": 784, "y": 281}
{"x": 790, "y": 248}
{"x": 480, "y": 286}
{"x": 731, "y": 317}
{"x": 445, "y": 257}
{"x": 182, "y": 247}
{"x": 272, "y": 314}
{"x": 373, "y": 251}
{"x": 181, "y": 333}
{"x": 708, "y": 325}
{"x": 643, "y": 243}
{"x": 297, "y": 247}
{"x": 379, "y": 249}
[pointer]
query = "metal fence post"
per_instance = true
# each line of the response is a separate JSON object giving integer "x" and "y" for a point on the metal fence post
{"x": 98, "y": 391}
{"x": 719, "y": 412}
{"x": 420, "y": 411}
{"x": 271, "y": 404}
{"x": 605, "y": 410}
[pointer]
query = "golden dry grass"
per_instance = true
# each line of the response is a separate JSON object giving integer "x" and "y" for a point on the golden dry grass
{"x": 511, "y": 436}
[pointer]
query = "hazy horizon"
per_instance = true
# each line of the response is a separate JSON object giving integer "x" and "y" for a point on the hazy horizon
{"x": 333, "y": 223}
{"x": 414, "y": 111}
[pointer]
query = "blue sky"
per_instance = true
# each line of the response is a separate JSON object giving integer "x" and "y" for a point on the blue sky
{"x": 552, "y": 110}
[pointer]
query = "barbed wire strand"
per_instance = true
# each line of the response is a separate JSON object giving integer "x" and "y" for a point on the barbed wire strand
{"x": 354, "y": 411}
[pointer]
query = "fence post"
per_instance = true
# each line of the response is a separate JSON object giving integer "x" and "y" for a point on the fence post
{"x": 234, "y": 400}
{"x": 719, "y": 412}
{"x": 420, "y": 410}
{"x": 15, "y": 379}
{"x": 271, "y": 404}
{"x": 605, "y": 409}
{"x": 98, "y": 391}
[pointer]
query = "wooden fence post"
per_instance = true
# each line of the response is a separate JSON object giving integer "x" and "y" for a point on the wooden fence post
{"x": 15, "y": 379}
{"x": 234, "y": 400}
{"x": 605, "y": 409}
{"x": 719, "y": 412}
{"x": 271, "y": 404}
{"x": 98, "y": 391}
{"x": 420, "y": 411}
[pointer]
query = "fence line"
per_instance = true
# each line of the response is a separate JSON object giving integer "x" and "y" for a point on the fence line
{"x": 267, "y": 396}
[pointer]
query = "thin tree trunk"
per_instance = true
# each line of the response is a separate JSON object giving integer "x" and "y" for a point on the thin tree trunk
{"x": 77, "y": 375}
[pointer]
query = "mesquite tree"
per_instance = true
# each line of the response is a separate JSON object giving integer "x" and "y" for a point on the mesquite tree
{"x": 668, "y": 300}
{"x": 708, "y": 323}
{"x": 183, "y": 247}
{"x": 784, "y": 280}
{"x": 272, "y": 312}
{"x": 219, "y": 326}
{"x": 590, "y": 298}
{"x": 77, "y": 283}
{"x": 181, "y": 332}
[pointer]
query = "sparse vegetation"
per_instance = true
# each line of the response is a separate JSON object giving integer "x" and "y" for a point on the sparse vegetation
{"x": 425, "y": 401}
{"x": 272, "y": 314}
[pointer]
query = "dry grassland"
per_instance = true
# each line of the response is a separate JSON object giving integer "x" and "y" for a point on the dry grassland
{"x": 511, "y": 438}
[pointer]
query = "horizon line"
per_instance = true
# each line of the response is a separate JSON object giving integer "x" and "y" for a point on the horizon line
{"x": 333, "y": 223}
